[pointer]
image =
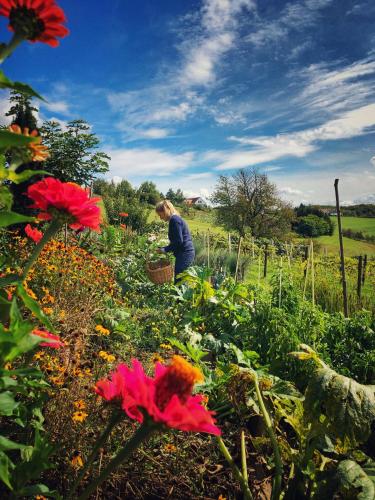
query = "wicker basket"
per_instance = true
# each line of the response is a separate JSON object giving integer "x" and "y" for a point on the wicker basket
{"x": 159, "y": 272}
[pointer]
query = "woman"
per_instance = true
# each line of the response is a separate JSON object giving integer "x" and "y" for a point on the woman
{"x": 179, "y": 236}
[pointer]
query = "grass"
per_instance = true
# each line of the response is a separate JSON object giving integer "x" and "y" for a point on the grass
{"x": 351, "y": 247}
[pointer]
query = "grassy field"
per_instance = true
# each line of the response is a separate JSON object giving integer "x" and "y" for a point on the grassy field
{"x": 351, "y": 247}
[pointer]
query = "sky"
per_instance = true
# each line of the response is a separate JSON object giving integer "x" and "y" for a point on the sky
{"x": 181, "y": 92}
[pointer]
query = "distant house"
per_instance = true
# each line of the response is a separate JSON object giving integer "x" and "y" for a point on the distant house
{"x": 195, "y": 202}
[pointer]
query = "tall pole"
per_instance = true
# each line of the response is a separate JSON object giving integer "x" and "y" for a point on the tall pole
{"x": 344, "y": 290}
{"x": 238, "y": 259}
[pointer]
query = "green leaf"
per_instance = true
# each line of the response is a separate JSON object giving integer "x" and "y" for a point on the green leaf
{"x": 25, "y": 175}
{"x": 34, "y": 307}
{"x": 10, "y": 139}
{"x": 6, "y": 197}
{"x": 348, "y": 406}
{"x": 38, "y": 489}
{"x": 7, "y": 218}
{"x": 7, "y": 403}
{"x": 7, "y": 444}
{"x": 23, "y": 88}
{"x": 5, "y": 465}
{"x": 354, "y": 481}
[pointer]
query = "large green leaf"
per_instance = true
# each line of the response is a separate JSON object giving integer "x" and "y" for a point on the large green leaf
{"x": 348, "y": 406}
{"x": 7, "y": 218}
{"x": 354, "y": 482}
{"x": 10, "y": 139}
{"x": 7, "y": 444}
{"x": 7, "y": 403}
{"x": 17, "y": 178}
{"x": 5, "y": 465}
{"x": 6, "y": 197}
{"x": 23, "y": 88}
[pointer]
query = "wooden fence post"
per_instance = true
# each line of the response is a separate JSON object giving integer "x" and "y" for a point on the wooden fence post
{"x": 265, "y": 261}
{"x": 344, "y": 289}
{"x": 359, "y": 278}
{"x": 305, "y": 258}
{"x": 364, "y": 269}
{"x": 238, "y": 258}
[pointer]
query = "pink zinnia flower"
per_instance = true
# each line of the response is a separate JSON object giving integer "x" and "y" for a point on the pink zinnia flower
{"x": 65, "y": 200}
{"x": 33, "y": 233}
{"x": 167, "y": 398}
{"x": 55, "y": 341}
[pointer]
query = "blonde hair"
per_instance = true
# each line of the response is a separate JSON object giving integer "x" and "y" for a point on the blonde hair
{"x": 167, "y": 207}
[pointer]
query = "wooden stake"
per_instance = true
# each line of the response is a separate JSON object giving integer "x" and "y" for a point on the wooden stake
{"x": 344, "y": 289}
{"x": 265, "y": 261}
{"x": 364, "y": 269}
{"x": 238, "y": 258}
{"x": 359, "y": 278}
{"x": 312, "y": 273}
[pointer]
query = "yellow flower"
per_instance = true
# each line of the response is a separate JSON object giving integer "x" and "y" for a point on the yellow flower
{"x": 76, "y": 460}
{"x": 39, "y": 355}
{"x": 47, "y": 310}
{"x": 170, "y": 448}
{"x": 8, "y": 366}
{"x": 166, "y": 346}
{"x": 156, "y": 358}
{"x": 111, "y": 358}
{"x": 40, "y": 497}
{"x": 56, "y": 380}
{"x": 80, "y": 404}
{"x": 79, "y": 416}
{"x": 222, "y": 497}
{"x": 103, "y": 354}
{"x": 103, "y": 331}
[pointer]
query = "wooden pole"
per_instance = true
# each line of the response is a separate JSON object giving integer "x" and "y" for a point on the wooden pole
{"x": 306, "y": 257}
{"x": 265, "y": 261}
{"x": 359, "y": 278}
{"x": 364, "y": 269}
{"x": 312, "y": 273}
{"x": 344, "y": 289}
{"x": 238, "y": 258}
{"x": 208, "y": 248}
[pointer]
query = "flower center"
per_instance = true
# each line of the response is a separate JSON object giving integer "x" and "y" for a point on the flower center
{"x": 26, "y": 22}
{"x": 178, "y": 379}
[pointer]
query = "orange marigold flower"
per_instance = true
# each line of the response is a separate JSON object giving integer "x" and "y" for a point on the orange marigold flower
{"x": 167, "y": 398}
{"x": 76, "y": 460}
{"x": 37, "y": 150}
{"x": 67, "y": 201}
{"x": 35, "y": 20}
{"x": 170, "y": 448}
{"x": 103, "y": 331}
{"x": 79, "y": 416}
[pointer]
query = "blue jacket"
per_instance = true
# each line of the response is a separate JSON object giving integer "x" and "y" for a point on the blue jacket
{"x": 179, "y": 236}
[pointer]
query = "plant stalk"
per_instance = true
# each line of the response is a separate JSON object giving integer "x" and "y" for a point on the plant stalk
{"x": 6, "y": 50}
{"x": 236, "y": 471}
{"x": 116, "y": 417}
{"x": 276, "y": 490}
{"x": 141, "y": 434}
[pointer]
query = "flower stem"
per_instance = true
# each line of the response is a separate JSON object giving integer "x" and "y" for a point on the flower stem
{"x": 141, "y": 434}
{"x": 49, "y": 234}
{"x": 236, "y": 471}
{"x": 276, "y": 490}
{"x": 6, "y": 50}
{"x": 117, "y": 416}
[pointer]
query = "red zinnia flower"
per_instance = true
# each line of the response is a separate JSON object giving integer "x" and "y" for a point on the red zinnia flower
{"x": 65, "y": 200}
{"x": 123, "y": 214}
{"x": 35, "y": 20}
{"x": 167, "y": 397}
{"x": 123, "y": 226}
{"x": 55, "y": 343}
{"x": 33, "y": 233}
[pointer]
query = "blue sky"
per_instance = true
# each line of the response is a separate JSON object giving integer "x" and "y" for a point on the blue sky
{"x": 181, "y": 92}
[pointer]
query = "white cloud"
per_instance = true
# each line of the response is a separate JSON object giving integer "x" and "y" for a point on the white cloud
{"x": 297, "y": 144}
{"x": 134, "y": 162}
{"x": 155, "y": 133}
{"x": 372, "y": 161}
{"x": 202, "y": 175}
{"x": 335, "y": 90}
{"x": 4, "y": 108}
{"x": 57, "y": 107}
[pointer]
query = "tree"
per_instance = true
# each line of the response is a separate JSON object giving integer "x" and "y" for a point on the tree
{"x": 73, "y": 155}
{"x": 312, "y": 225}
{"x": 148, "y": 193}
{"x": 21, "y": 111}
{"x": 248, "y": 202}
{"x": 175, "y": 197}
